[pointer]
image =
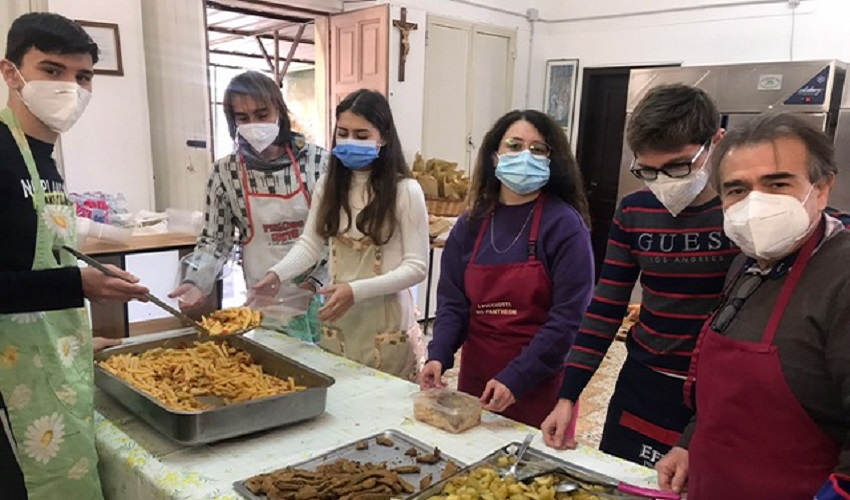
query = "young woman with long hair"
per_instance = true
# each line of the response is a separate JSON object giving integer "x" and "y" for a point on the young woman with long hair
{"x": 517, "y": 271}
{"x": 372, "y": 214}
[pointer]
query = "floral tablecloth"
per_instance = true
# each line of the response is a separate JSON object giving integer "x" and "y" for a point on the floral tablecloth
{"x": 138, "y": 463}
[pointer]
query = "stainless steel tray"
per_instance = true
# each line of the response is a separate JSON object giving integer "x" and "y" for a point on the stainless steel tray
{"x": 394, "y": 457}
{"x": 533, "y": 460}
{"x": 225, "y": 422}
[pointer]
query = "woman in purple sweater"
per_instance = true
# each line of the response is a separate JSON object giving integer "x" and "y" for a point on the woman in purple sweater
{"x": 517, "y": 272}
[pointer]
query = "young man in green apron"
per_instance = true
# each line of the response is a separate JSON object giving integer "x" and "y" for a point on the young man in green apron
{"x": 47, "y": 446}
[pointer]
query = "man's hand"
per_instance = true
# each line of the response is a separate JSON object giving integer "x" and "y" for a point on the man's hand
{"x": 556, "y": 424}
{"x": 431, "y": 376}
{"x": 99, "y": 287}
{"x": 497, "y": 397}
{"x": 673, "y": 470}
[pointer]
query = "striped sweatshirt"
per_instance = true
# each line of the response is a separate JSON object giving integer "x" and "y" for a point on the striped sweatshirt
{"x": 681, "y": 262}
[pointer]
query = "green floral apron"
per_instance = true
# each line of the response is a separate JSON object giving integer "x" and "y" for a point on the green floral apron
{"x": 46, "y": 366}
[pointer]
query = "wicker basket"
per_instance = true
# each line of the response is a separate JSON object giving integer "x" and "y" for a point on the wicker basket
{"x": 445, "y": 208}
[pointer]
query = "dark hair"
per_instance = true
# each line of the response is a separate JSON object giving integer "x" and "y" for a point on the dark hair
{"x": 262, "y": 89}
{"x": 49, "y": 33}
{"x": 378, "y": 219}
{"x": 564, "y": 178}
{"x": 670, "y": 117}
{"x": 768, "y": 127}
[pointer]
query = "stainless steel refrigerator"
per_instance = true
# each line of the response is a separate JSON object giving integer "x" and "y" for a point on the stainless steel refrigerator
{"x": 812, "y": 89}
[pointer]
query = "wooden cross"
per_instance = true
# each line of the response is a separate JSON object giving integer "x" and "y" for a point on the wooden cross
{"x": 404, "y": 29}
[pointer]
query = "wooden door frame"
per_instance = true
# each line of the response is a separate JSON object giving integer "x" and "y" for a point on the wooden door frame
{"x": 587, "y": 74}
{"x": 329, "y": 58}
{"x": 602, "y": 70}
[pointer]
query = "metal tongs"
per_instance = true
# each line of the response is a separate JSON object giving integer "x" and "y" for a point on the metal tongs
{"x": 618, "y": 486}
{"x": 186, "y": 320}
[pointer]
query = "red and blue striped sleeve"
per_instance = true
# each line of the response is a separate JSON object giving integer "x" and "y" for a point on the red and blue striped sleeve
{"x": 607, "y": 308}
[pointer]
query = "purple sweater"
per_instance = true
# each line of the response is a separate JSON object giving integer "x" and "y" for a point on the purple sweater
{"x": 565, "y": 250}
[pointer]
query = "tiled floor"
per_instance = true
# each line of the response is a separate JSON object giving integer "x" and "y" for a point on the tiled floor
{"x": 594, "y": 400}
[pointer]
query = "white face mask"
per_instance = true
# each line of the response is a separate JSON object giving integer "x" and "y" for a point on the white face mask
{"x": 57, "y": 104}
{"x": 259, "y": 135}
{"x": 677, "y": 194}
{"x": 767, "y": 226}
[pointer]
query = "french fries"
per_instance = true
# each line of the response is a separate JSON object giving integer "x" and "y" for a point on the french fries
{"x": 175, "y": 376}
{"x": 231, "y": 320}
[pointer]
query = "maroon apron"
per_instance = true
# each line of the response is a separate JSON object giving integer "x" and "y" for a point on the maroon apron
{"x": 508, "y": 305}
{"x": 753, "y": 438}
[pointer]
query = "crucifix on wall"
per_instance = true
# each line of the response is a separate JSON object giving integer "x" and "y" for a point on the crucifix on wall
{"x": 404, "y": 29}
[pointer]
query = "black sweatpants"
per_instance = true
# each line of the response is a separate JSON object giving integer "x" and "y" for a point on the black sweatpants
{"x": 12, "y": 485}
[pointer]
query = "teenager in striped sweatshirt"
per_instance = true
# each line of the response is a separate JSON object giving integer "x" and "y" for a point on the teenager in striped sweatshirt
{"x": 671, "y": 237}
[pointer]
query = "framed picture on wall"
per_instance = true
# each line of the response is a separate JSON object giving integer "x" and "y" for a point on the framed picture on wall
{"x": 559, "y": 91}
{"x": 108, "y": 40}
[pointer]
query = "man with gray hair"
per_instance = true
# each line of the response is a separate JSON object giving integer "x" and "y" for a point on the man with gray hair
{"x": 773, "y": 361}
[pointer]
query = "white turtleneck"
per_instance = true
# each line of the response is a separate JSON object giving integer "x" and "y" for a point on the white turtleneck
{"x": 404, "y": 261}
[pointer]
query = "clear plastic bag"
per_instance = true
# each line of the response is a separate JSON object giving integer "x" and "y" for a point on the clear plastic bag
{"x": 203, "y": 269}
{"x": 289, "y": 302}
{"x": 447, "y": 409}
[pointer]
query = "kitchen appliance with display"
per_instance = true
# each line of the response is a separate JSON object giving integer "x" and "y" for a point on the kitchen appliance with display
{"x": 811, "y": 89}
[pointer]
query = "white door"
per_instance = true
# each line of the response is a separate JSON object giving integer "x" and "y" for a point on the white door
{"x": 447, "y": 71}
{"x": 469, "y": 73}
{"x": 178, "y": 95}
{"x": 492, "y": 81}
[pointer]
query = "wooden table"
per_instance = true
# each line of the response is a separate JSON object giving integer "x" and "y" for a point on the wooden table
{"x": 111, "y": 319}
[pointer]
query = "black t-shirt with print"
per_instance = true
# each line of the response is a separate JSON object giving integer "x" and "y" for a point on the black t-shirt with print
{"x": 21, "y": 288}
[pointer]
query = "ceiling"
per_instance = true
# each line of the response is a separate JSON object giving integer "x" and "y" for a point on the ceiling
{"x": 237, "y": 28}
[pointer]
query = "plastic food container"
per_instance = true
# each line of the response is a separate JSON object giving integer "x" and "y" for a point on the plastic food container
{"x": 446, "y": 409}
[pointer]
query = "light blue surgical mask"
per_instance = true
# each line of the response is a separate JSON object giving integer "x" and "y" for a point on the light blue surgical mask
{"x": 523, "y": 173}
{"x": 356, "y": 154}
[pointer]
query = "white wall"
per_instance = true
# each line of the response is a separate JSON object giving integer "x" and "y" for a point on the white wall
{"x": 109, "y": 149}
{"x": 726, "y": 34}
{"x": 407, "y": 98}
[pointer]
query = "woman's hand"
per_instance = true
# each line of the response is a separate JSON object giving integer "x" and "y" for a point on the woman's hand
{"x": 497, "y": 397}
{"x": 431, "y": 376}
{"x": 555, "y": 426}
{"x": 339, "y": 299}
{"x": 101, "y": 343}
{"x": 188, "y": 295}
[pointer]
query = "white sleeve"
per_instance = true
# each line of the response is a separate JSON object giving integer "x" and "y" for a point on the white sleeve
{"x": 412, "y": 228}
{"x": 307, "y": 250}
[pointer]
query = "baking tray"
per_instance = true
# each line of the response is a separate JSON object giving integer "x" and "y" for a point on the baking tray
{"x": 534, "y": 460}
{"x": 191, "y": 428}
{"x": 394, "y": 456}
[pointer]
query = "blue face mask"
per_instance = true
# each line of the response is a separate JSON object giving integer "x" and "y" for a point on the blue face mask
{"x": 523, "y": 173}
{"x": 355, "y": 154}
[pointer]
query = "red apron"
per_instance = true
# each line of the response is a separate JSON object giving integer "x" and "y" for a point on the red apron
{"x": 508, "y": 305}
{"x": 753, "y": 438}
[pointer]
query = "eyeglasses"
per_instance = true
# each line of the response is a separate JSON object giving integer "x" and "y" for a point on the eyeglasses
{"x": 724, "y": 318}
{"x": 672, "y": 170}
{"x": 515, "y": 146}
